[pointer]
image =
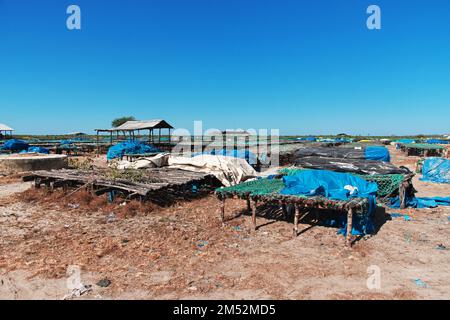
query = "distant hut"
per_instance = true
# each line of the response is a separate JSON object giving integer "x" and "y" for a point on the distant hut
{"x": 5, "y": 131}
{"x": 130, "y": 128}
{"x": 231, "y": 134}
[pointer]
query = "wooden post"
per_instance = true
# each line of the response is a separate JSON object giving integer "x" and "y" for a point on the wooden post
{"x": 402, "y": 195}
{"x": 98, "y": 144}
{"x": 284, "y": 208}
{"x": 348, "y": 241}
{"x": 222, "y": 210}
{"x": 254, "y": 204}
{"x": 296, "y": 219}
{"x": 249, "y": 206}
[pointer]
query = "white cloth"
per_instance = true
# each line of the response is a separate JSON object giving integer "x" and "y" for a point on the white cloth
{"x": 157, "y": 161}
{"x": 229, "y": 170}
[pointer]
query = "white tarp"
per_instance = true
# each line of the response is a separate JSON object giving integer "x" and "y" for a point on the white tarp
{"x": 229, "y": 170}
{"x": 157, "y": 161}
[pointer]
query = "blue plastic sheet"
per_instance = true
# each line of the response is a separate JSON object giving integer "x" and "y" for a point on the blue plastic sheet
{"x": 310, "y": 139}
{"x": 37, "y": 150}
{"x": 129, "y": 147}
{"x": 403, "y": 141}
{"x": 413, "y": 202}
{"x": 336, "y": 140}
{"x": 437, "y": 141}
{"x": 377, "y": 153}
{"x": 406, "y": 141}
{"x": 67, "y": 144}
{"x": 15, "y": 145}
{"x": 337, "y": 186}
{"x": 436, "y": 170}
{"x": 242, "y": 154}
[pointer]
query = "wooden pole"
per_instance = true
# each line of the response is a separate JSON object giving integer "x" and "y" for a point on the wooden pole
{"x": 402, "y": 195}
{"x": 249, "y": 206}
{"x": 296, "y": 219}
{"x": 98, "y": 144}
{"x": 348, "y": 241}
{"x": 254, "y": 204}
{"x": 222, "y": 210}
{"x": 284, "y": 208}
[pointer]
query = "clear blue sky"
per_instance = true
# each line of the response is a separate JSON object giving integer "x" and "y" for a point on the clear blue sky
{"x": 300, "y": 66}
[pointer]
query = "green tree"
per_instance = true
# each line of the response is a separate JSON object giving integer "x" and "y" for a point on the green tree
{"x": 120, "y": 121}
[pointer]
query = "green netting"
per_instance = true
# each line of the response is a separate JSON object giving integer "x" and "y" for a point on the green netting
{"x": 256, "y": 187}
{"x": 422, "y": 146}
{"x": 387, "y": 183}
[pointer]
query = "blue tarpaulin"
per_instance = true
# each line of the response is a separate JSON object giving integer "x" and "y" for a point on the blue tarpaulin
{"x": 15, "y": 145}
{"x": 67, "y": 145}
{"x": 242, "y": 154}
{"x": 336, "y": 140}
{"x": 336, "y": 186}
{"x": 436, "y": 170}
{"x": 310, "y": 139}
{"x": 413, "y": 202}
{"x": 129, "y": 147}
{"x": 406, "y": 141}
{"x": 403, "y": 141}
{"x": 437, "y": 141}
{"x": 36, "y": 150}
{"x": 377, "y": 153}
{"x": 344, "y": 140}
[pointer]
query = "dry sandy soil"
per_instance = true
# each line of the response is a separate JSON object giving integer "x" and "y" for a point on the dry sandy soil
{"x": 184, "y": 252}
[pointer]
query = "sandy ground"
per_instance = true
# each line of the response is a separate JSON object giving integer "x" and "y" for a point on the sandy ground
{"x": 184, "y": 252}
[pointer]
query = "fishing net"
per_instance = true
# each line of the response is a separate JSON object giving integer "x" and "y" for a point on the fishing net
{"x": 255, "y": 187}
